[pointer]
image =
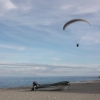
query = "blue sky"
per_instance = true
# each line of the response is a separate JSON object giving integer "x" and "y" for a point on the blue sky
{"x": 33, "y": 43}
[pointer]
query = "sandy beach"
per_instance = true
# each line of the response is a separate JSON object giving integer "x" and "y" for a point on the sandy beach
{"x": 76, "y": 91}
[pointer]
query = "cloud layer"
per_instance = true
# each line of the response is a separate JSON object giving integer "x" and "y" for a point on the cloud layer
{"x": 29, "y": 69}
{"x": 31, "y": 32}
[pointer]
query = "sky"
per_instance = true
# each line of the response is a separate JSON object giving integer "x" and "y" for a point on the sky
{"x": 33, "y": 42}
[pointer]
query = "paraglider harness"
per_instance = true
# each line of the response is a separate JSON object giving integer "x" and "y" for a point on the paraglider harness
{"x": 77, "y": 45}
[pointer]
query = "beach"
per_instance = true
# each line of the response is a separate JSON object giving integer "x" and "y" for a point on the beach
{"x": 76, "y": 91}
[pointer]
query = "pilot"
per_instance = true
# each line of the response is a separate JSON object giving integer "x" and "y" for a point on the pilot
{"x": 77, "y": 45}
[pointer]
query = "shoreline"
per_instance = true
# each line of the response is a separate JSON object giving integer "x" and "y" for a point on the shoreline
{"x": 14, "y": 82}
{"x": 91, "y": 81}
{"x": 71, "y": 83}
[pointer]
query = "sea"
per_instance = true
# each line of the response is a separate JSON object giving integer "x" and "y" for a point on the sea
{"x": 12, "y": 82}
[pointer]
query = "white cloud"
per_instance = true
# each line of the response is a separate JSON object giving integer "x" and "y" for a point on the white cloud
{"x": 5, "y": 6}
{"x": 87, "y": 10}
{"x": 9, "y": 5}
{"x": 90, "y": 40}
{"x": 98, "y": 69}
{"x": 67, "y": 6}
{"x": 87, "y": 7}
{"x": 12, "y": 47}
{"x": 55, "y": 58}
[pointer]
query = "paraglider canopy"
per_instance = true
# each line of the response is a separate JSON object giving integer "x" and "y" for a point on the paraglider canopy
{"x": 74, "y": 20}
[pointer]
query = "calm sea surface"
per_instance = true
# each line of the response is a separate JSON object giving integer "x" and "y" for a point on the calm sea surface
{"x": 8, "y": 82}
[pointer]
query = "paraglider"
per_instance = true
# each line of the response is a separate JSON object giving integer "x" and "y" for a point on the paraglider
{"x": 72, "y": 21}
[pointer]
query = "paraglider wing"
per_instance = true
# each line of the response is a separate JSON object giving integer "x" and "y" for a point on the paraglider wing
{"x": 72, "y": 21}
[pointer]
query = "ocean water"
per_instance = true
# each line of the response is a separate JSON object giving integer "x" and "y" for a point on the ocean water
{"x": 10, "y": 82}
